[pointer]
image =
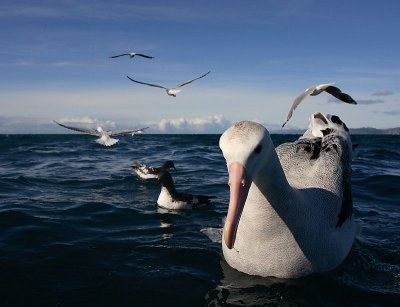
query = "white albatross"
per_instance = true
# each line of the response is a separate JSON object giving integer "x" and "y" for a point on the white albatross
{"x": 316, "y": 90}
{"x": 131, "y": 55}
{"x": 171, "y": 91}
{"x": 105, "y": 136}
{"x": 290, "y": 207}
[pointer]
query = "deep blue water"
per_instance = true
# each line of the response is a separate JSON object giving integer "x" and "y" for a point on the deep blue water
{"x": 78, "y": 228}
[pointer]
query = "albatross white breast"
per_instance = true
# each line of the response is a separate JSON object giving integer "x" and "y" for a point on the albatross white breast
{"x": 290, "y": 208}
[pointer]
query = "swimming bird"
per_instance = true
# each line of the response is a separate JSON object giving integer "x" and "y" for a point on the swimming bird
{"x": 290, "y": 207}
{"x": 171, "y": 91}
{"x": 316, "y": 90}
{"x": 147, "y": 172}
{"x": 131, "y": 55}
{"x": 105, "y": 136}
{"x": 171, "y": 199}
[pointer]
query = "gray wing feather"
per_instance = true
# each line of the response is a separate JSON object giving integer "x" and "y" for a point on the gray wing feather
{"x": 117, "y": 56}
{"x": 144, "y": 56}
{"x": 82, "y": 130}
{"x": 149, "y": 84}
{"x": 190, "y": 81}
{"x": 121, "y": 132}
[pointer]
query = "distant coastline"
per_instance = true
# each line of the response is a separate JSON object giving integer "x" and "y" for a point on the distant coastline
{"x": 364, "y": 130}
{"x": 272, "y": 130}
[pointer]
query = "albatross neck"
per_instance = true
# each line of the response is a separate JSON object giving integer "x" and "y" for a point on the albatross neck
{"x": 271, "y": 179}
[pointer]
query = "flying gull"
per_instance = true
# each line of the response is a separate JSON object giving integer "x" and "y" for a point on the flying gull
{"x": 131, "y": 55}
{"x": 104, "y": 136}
{"x": 314, "y": 91}
{"x": 172, "y": 91}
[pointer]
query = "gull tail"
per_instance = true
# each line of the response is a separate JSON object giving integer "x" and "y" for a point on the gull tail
{"x": 107, "y": 142}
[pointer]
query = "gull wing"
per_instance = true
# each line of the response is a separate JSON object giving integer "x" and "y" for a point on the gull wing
{"x": 189, "y": 81}
{"x": 144, "y": 56}
{"x": 117, "y": 56}
{"x": 296, "y": 103}
{"x": 121, "y": 132}
{"x": 336, "y": 92}
{"x": 149, "y": 84}
{"x": 82, "y": 130}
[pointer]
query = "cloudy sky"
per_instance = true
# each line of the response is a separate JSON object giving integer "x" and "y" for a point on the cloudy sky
{"x": 55, "y": 63}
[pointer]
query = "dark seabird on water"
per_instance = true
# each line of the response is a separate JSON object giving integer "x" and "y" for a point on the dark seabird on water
{"x": 105, "y": 136}
{"x": 314, "y": 91}
{"x": 148, "y": 172}
{"x": 171, "y": 91}
{"x": 171, "y": 199}
{"x": 131, "y": 55}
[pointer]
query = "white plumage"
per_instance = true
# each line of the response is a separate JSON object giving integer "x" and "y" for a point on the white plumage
{"x": 290, "y": 208}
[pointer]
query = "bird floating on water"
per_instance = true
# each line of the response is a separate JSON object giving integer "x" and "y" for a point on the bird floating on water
{"x": 105, "y": 136}
{"x": 148, "y": 172}
{"x": 171, "y": 199}
{"x": 131, "y": 55}
{"x": 314, "y": 91}
{"x": 290, "y": 207}
{"x": 171, "y": 91}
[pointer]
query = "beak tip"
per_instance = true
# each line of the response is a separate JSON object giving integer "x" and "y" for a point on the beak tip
{"x": 228, "y": 239}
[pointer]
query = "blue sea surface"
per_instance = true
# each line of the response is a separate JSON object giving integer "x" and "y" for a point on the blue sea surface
{"x": 78, "y": 228}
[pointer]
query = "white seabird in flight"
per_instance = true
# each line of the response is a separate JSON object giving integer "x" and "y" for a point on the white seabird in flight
{"x": 171, "y": 91}
{"x": 105, "y": 136}
{"x": 314, "y": 91}
{"x": 131, "y": 55}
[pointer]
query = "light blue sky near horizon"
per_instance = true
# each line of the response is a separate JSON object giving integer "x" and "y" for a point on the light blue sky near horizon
{"x": 55, "y": 63}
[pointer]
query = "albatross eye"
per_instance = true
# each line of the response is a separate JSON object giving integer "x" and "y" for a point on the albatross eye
{"x": 258, "y": 149}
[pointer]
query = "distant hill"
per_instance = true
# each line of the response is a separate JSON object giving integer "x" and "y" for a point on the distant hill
{"x": 365, "y": 130}
{"x": 369, "y": 130}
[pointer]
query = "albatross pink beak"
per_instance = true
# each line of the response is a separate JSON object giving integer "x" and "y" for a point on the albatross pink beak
{"x": 239, "y": 188}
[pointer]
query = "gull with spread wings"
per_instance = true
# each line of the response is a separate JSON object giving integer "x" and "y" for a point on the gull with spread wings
{"x": 104, "y": 136}
{"x": 171, "y": 91}
{"x": 131, "y": 55}
{"x": 314, "y": 91}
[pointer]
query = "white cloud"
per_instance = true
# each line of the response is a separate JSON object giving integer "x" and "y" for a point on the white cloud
{"x": 88, "y": 121}
{"x": 390, "y": 113}
{"x": 209, "y": 124}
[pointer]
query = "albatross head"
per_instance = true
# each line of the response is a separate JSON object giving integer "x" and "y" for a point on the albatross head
{"x": 245, "y": 146}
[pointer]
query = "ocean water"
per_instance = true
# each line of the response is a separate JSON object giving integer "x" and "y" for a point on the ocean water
{"x": 78, "y": 228}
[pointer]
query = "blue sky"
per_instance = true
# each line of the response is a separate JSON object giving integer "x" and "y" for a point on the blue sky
{"x": 262, "y": 54}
